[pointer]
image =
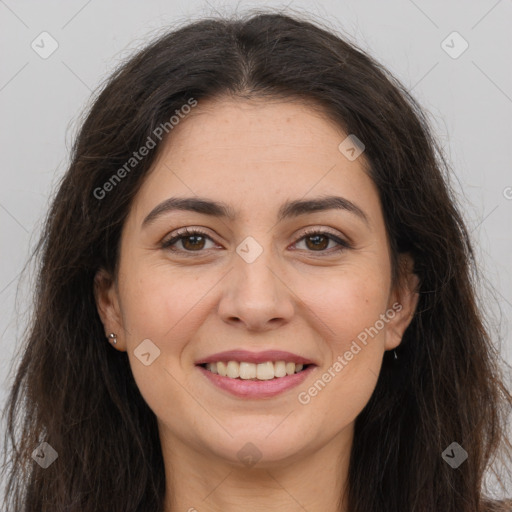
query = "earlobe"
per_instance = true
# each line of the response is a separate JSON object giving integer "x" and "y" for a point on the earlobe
{"x": 107, "y": 303}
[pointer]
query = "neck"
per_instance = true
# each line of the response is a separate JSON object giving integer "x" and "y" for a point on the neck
{"x": 197, "y": 481}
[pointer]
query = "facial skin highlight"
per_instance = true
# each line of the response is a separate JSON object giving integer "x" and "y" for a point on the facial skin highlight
{"x": 299, "y": 295}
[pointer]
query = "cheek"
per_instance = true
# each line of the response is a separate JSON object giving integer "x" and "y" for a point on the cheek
{"x": 346, "y": 303}
{"x": 166, "y": 309}
{"x": 347, "y": 313}
{"x": 158, "y": 303}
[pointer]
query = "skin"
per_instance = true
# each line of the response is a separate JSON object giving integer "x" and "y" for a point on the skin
{"x": 254, "y": 155}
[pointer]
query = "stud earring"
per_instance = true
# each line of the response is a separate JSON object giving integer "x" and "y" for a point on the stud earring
{"x": 113, "y": 338}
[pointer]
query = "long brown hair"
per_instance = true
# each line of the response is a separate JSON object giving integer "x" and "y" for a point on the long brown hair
{"x": 75, "y": 392}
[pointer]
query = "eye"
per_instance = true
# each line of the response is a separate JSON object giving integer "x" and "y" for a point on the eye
{"x": 318, "y": 240}
{"x": 194, "y": 240}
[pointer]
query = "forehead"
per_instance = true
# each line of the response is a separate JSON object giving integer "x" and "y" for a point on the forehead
{"x": 255, "y": 154}
{"x": 283, "y": 129}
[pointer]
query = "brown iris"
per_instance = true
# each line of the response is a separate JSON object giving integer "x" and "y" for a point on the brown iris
{"x": 195, "y": 244}
{"x": 316, "y": 244}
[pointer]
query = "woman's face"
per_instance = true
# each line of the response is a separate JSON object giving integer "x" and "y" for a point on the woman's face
{"x": 256, "y": 281}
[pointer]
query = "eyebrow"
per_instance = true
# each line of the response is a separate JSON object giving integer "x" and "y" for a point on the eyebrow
{"x": 288, "y": 210}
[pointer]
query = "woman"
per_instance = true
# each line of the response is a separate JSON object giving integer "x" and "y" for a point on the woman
{"x": 256, "y": 293}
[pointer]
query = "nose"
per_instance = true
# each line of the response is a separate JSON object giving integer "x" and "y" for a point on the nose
{"x": 257, "y": 295}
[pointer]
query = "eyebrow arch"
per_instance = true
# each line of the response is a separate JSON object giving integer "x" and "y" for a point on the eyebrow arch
{"x": 288, "y": 210}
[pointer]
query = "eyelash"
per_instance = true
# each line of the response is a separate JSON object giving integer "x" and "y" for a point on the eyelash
{"x": 187, "y": 232}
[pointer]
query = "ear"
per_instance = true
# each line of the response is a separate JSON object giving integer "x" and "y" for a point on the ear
{"x": 107, "y": 304}
{"x": 403, "y": 301}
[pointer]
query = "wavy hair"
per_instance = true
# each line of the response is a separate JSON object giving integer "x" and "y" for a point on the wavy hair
{"x": 72, "y": 390}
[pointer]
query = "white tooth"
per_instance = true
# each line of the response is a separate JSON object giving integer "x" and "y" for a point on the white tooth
{"x": 233, "y": 370}
{"x": 222, "y": 369}
{"x": 247, "y": 371}
{"x": 279, "y": 368}
{"x": 212, "y": 367}
{"x": 290, "y": 368}
{"x": 265, "y": 371}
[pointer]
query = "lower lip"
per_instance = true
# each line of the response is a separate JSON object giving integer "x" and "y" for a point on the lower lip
{"x": 257, "y": 388}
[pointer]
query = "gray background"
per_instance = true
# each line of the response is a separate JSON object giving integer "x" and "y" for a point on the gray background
{"x": 469, "y": 101}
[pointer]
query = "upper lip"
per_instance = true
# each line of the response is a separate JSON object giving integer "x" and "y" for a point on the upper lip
{"x": 255, "y": 357}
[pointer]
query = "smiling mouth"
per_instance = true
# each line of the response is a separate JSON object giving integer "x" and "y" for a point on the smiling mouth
{"x": 269, "y": 370}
